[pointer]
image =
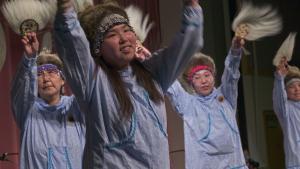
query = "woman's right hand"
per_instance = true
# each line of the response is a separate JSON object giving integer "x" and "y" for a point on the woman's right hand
{"x": 282, "y": 68}
{"x": 191, "y": 2}
{"x": 64, "y": 5}
{"x": 31, "y": 44}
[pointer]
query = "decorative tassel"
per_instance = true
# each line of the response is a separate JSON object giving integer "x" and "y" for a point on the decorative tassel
{"x": 27, "y": 15}
{"x": 286, "y": 49}
{"x": 257, "y": 21}
{"x": 140, "y": 25}
{"x": 2, "y": 47}
{"x": 221, "y": 98}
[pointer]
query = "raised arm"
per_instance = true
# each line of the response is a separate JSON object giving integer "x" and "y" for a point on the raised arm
{"x": 231, "y": 74}
{"x": 279, "y": 93}
{"x": 179, "y": 98}
{"x": 73, "y": 48}
{"x": 24, "y": 86}
{"x": 167, "y": 64}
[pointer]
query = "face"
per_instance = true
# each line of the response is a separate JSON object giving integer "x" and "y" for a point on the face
{"x": 293, "y": 91}
{"x": 203, "y": 82}
{"x": 118, "y": 47}
{"x": 49, "y": 85}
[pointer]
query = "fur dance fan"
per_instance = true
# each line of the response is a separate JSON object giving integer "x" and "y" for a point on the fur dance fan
{"x": 286, "y": 49}
{"x": 140, "y": 25}
{"x": 27, "y": 15}
{"x": 258, "y": 22}
{"x": 2, "y": 47}
{"x": 80, "y": 5}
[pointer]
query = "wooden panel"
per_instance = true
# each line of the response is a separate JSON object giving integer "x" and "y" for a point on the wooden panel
{"x": 274, "y": 140}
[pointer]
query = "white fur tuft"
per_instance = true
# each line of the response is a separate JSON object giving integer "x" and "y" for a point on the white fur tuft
{"x": 47, "y": 41}
{"x": 261, "y": 21}
{"x": 17, "y": 11}
{"x": 80, "y": 5}
{"x": 140, "y": 25}
{"x": 286, "y": 49}
{"x": 2, "y": 47}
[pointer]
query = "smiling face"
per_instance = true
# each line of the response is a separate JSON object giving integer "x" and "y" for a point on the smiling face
{"x": 203, "y": 82}
{"x": 119, "y": 46}
{"x": 293, "y": 90}
{"x": 50, "y": 83}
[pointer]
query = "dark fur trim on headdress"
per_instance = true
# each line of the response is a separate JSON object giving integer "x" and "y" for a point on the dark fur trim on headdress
{"x": 93, "y": 16}
{"x": 293, "y": 73}
{"x": 198, "y": 59}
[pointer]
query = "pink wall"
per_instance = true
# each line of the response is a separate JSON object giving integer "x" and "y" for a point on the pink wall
{"x": 9, "y": 140}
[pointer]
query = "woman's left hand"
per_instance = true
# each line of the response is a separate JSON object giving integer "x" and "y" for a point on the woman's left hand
{"x": 238, "y": 42}
{"x": 142, "y": 53}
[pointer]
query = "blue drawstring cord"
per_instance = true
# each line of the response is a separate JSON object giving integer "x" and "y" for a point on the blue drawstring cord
{"x": 50, "y": 153}
{"x": 69, "y": 166}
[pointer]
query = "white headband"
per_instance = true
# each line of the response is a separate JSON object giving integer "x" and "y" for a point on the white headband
{"x": 292, "y": 81}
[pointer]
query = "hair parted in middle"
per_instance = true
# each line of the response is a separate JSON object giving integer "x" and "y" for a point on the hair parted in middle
{"x": 91, "y": 19}
{"x": 46, "y": 57}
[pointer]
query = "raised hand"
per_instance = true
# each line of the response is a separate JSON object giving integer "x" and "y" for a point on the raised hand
{"x": 191, "y": 2}
{"x": 240, "y": 34}
{"x": 282, "y": 68}
{"x": 141, "y": 52}
{"x": 64, "y": 5}
{"x": 242, "y": 31}
{"x": 238, "y": 42}
{"x": 30, "y": 43}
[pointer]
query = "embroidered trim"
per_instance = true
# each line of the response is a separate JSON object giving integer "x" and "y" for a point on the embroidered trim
{"x": 50, "y": 153}
{"x": 224, "y": 117}
{"x": 209, "y": 129}
{"x": 130, "y": 135}
{"x": 160, "y": 126}
{"x": 67, "y": 158}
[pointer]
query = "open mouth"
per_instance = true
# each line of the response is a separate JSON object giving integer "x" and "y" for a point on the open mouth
{"x": 125, "y": 48}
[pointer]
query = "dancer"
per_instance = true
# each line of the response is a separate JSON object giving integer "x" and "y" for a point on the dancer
{"x": 211, "y": 133}
{"x": 123, "y": 98}
{"x": 286, "y": 101}
{"x": 52, "y": 126}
